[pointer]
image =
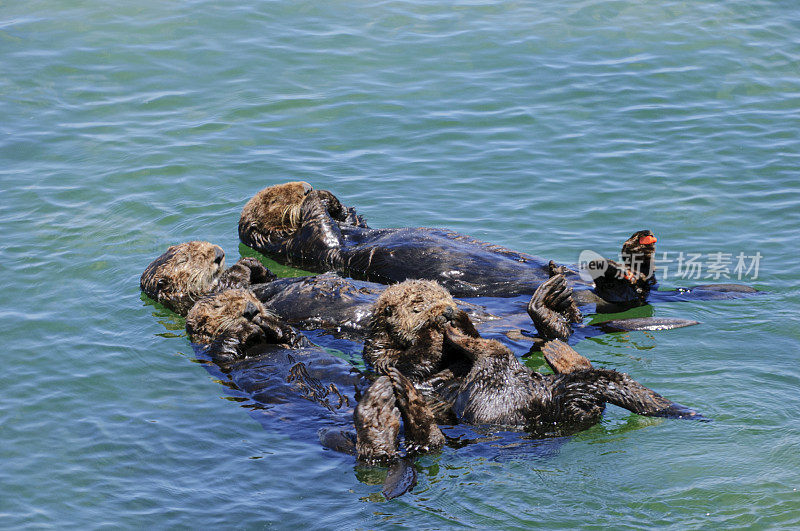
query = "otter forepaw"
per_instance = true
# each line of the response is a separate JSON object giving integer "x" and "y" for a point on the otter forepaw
{"x": 403, "y": 388}
{"x": 422, "y": 433}
{"x": 552, "y": 309}
{"x": 258, "y": 272}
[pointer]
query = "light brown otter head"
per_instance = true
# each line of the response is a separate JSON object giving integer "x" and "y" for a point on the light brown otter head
{"x": 273, "y": 213}
{"x": 183, "y": 274}
{"x": 237, "y": 317}
{"x": 407, "y": 326}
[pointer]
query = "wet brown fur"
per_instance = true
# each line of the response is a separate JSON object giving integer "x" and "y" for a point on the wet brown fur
{"x": 188, "y": 271}
{"x": 500, "y": 390}
{"x": 237, "y": 317}
{"x": 406, "y": 329}
{"x": 413, "y": 324}
{"x": 273, "y": 213}
{"x": 183, "y": 274}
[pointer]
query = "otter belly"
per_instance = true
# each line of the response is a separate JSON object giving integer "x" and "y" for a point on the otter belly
{"x": 465, "y": 267}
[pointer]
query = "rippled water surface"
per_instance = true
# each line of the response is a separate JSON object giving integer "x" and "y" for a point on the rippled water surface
{"x": 548, "y": 127}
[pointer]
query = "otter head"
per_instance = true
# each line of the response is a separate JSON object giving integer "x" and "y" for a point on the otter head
{"x": 407, "y": 328}
{"x": 236, "y": 318}
{"x": 183, "y": 274}
{"x": 273, "y": 214}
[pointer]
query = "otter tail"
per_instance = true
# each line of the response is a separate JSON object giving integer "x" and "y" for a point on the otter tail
{"x": 621, "y": 390}
{"x": 402, "y": 477}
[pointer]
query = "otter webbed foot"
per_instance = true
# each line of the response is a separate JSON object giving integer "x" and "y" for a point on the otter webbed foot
{"x": 679, "y": 411}
{"x": 720, "y": 291}
{"x": 621, "y": 390}
{"x": 552, "y": 309}
{"x": 421, "y": 432}
{"x": 402, "y": 477}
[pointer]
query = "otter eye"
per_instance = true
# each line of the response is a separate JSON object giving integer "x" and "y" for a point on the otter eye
{"x": 387, "y": 311}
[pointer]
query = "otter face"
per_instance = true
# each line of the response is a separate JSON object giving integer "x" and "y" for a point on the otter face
{"x": 274, "y": 212}
{"x": 183, "y": 274}
{"x": 407, "y": 328}
{"x": 238, "y": 317}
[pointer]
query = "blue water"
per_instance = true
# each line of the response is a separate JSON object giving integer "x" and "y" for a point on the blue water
{"x": 547, "y": 127}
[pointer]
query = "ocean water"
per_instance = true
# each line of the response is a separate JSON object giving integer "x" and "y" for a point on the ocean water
{"x": 547, "y": 127}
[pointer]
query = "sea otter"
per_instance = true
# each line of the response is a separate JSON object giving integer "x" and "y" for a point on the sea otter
{"x": 188, "y": 271}
{"x": 341, "y": 307}
{"x": 276, "y": 365}
{"x": 499, "y": 390}
{"x": 416, "y": 329}
{"x": 312, "y": 229}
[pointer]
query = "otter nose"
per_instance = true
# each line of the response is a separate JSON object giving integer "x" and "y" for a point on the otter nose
{"x": 250, "y": 311}
{"x": 219, "y": 254}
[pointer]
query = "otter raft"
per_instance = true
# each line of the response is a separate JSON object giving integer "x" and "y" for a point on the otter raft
{"x": 400, "y": 265}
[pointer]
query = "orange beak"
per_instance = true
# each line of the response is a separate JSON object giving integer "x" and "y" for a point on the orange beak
{"x": 647, "y": 240}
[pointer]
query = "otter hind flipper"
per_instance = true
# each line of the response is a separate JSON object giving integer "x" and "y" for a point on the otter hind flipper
{"x": 338, "y": 440}
{"x": 679, "y": 411}
{"x": 645, "y": 324}
{"x": 621, "y": 390}
{"x": 552, "y": 309}
{"x": 402, "y": 477}
{"x": 564, "y": 359}
{"x": 721, "y": 291}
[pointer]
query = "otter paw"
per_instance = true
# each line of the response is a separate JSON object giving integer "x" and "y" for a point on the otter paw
{"x": 552, "y": 309}
{"x": 422, "y": 433}
{"x": 258, "y": 272}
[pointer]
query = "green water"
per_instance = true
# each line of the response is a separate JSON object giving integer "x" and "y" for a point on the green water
{"x": 548, "y": 127}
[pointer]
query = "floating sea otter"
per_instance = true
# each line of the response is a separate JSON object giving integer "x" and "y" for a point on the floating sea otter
{"x": 342, "y": 307}
{"x": 313, "y": 230}
{"x": 417, "y": 329}
{"x": 188, "y": 271}
{"x": 276, "y": 365}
